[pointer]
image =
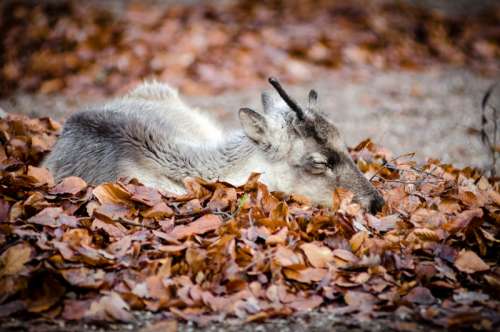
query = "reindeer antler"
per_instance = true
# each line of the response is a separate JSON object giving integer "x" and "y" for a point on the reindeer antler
{"x": 288, "y": 100}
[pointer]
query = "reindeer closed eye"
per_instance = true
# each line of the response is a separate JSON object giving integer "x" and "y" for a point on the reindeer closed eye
{"x": 152, "y": 135}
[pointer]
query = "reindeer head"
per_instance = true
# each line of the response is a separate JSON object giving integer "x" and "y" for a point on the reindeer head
{"x": 306, "y": 151}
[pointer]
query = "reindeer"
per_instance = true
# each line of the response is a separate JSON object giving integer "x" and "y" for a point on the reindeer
{"x": 153, "y": 136}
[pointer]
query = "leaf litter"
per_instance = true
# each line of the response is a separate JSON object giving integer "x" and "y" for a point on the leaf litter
{"x": 74, "y": 252}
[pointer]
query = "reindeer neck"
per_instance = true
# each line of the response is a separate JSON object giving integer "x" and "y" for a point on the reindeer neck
{"x": 232, "y": 160}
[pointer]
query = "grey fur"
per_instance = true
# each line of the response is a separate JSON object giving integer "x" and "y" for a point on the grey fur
{"x": 151, "y": 135}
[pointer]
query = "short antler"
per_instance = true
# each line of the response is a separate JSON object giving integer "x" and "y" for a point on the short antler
{"x": 288, "y": 100}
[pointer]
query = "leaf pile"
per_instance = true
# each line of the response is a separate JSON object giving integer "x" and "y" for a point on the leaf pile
{"x": 206, "y": 48}
{"x": 70, "y": 251}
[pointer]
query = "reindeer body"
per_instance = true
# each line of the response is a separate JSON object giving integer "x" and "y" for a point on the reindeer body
{"x": 152, "y": 135}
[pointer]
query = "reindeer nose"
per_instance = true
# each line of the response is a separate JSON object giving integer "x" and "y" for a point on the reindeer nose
{"x": 377, "y": 203}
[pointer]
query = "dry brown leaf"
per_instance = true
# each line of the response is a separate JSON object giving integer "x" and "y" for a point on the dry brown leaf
{"x": 161, "y": 326}
{"x": 204, "y": 224}
{"x": 469, "y": 262}
{"x": 278, "y": 237}
{"x": 71, "y": 185}
{"x": 84, "y": 277}
{"x": 319, "y": 256}
{"x": 144, "y": 195}
{"x": 109, "y": 308}
{"x": 462, "y": 220}
{"x": 287, "y": 257}
{"x": 357, "y": 299}
{"x": 111, "y": 193}
{"x": 44, "y": 297}
{"x": 307, "y": 304}
{"x": 14, "y": 259}
{"x": 307, "y": 275}
{"x": 158, "y": 211}
{"x": 39, "y": 176}
{"x": 344, "y": 258}
{"x": 426, "y": 234}
{"x": 357, "y": 240}
{"x": 48, "y": 217}
{"x": 341, "y": 198}
{"x": 420, "y": 295}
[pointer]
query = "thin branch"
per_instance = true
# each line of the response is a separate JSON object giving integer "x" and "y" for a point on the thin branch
{"x": 494, "y": 145}
{"x": 418, "y": 170}
{"x": 133, "y": 223}
{"x": 422, "y": 181}
{"x": 485, "y": 138}
{"x": 411, "y": 154}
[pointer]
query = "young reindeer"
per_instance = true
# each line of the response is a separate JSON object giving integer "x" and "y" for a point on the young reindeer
{"x": 151, "y": 135}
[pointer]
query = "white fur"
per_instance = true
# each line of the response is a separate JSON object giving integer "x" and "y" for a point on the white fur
{"x": 191, "y": 125}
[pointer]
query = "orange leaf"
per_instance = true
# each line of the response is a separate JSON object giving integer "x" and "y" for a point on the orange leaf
{"x": 278, "y": 237}
{"x": 307, "y": 275}
{"x": 111, "y": 193}
{"x": 159, "y": 211}
{"x": 426, "y": 234}
{"x": 204, "y": 224}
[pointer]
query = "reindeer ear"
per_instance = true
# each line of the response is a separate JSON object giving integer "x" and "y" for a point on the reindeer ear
{"x": 313, "y": 98}
{"x": 268, "y": 101}
{"x": 254, "y": 124}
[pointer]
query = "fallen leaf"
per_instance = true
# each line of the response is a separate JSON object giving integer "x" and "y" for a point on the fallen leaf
{"x": 469, "y": 262}
{"x": 14, "y": 259}
{"x": 47, "y": 217}
{"x": 318, "y": 256}
{"x": 71, "y": 185}
{"x": 420, "y": 295}
{"x": 40, "y": 176}
{"x": 204, "y": 224}
{"x": 306, "y": 304}
{"x": 161, "y": 326}
{"x": 307, "y": 275}
{"x": 44, "y": 297}
{"x": 111, "y": 193}
{"x": 84, "y": 277}
{"x": 108, "y": 308}
{"x": 158, "y": 211}
{"x": 278, "y": 238}
{"x": 286, "y": 257}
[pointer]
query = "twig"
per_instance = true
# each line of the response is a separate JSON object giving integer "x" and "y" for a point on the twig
{"x": 413, "y": 182}
{"x": 418, "y": 170}
{"x": 252, "y": 264}
{"x": 188, "y": 217}
{"x": 491, "y": 144}
{"x": 133, "y": 223}
{"x": 410, "y": 154}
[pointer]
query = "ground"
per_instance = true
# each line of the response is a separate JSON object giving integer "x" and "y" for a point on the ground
{"x": 435, "y": 113}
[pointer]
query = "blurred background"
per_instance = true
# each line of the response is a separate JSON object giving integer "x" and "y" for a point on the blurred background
{"x": 410, "y": 75}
